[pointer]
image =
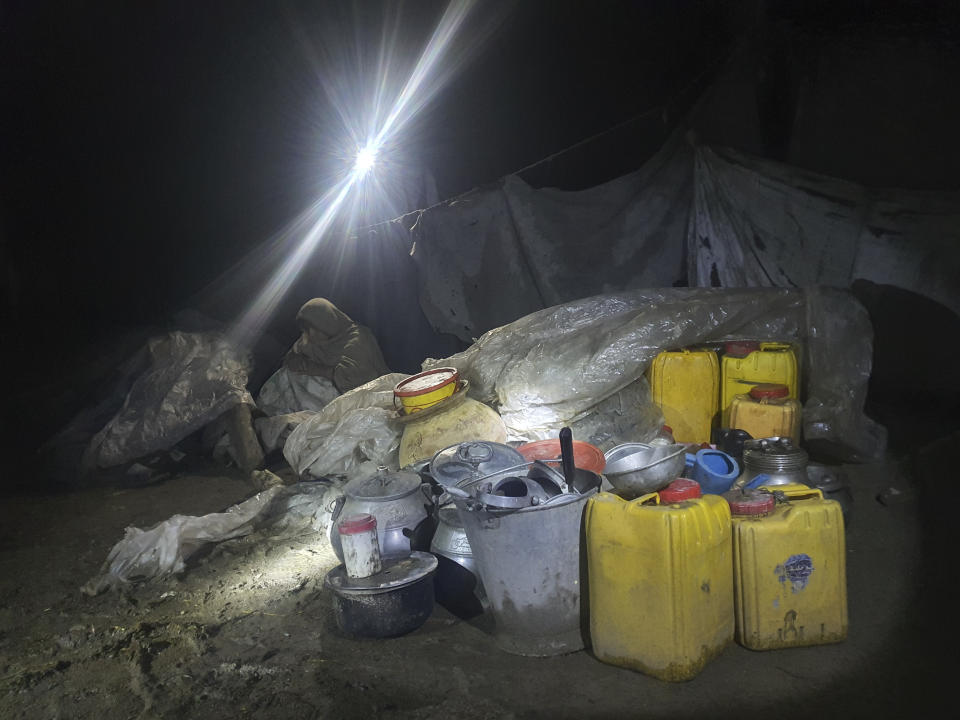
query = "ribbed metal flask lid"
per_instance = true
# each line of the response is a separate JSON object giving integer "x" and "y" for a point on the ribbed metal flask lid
{"x": 773, "y": 455}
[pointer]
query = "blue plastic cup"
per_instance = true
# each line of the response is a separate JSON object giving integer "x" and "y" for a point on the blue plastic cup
{"x": 715, "y": 471}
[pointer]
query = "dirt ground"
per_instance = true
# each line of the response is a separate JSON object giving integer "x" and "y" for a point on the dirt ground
{"x": 248, "y": 631}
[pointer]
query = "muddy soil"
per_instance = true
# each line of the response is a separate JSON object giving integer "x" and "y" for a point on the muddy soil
{"x": 248, "y": 632}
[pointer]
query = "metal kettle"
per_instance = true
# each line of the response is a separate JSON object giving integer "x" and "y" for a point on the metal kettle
{"x": 403, "y": 505}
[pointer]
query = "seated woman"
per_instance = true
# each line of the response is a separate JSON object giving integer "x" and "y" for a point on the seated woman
{"x": 332, "y": 356}
{"x": 333, "y": 346}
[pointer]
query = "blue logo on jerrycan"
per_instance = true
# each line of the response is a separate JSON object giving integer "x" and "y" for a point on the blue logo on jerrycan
{"x": 797, "y": 570}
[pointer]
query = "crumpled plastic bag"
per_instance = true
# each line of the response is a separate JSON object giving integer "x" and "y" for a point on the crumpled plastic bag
{"x": 163, "y": 549}
{"x": 287, "y": 392}
{"x": 193, "y": 378}
{"x": 353, "y": 434}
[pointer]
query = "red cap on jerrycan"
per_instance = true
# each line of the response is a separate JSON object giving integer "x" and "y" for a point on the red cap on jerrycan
{"x": 679, "y": 490}
{"x": 740, "y": 348}
{"x": 769, "y": 391}
{"x": 753, "y": 503}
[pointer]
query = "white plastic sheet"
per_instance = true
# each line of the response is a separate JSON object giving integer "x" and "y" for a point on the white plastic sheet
{"x": 287, "y": 392}
{"x": 274, "y": 431}
{"x": 350, "y": 436}
{"x": 164, "y": 549}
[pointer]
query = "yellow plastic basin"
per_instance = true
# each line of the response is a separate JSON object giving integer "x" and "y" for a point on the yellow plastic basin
{"x": 426, "y": 389}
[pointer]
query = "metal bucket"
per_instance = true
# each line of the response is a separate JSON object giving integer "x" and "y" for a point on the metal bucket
{"x": 529, "y": 562}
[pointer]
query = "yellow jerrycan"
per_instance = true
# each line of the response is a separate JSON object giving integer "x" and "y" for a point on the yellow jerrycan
{"x": 767, "y": 411}
{"x": 660, "y": 580}
{"x": 789, "y": 567}
{"x": 746, "y": 364}
{"x": 685, "y": 385}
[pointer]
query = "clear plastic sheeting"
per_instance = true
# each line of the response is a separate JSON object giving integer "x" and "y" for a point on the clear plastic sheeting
{"x": 626, "y": 414}
{"x": 564, "y": 364}
{"x": 192, "y": 379}
{"x": 351, "y": 436}
{"x": 288, "y": 392}
{"x": 840, "y": 334}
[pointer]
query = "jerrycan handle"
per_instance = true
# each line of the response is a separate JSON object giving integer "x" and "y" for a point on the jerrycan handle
{"x": 645, "y": 498}
{"x": 796, "y": 493}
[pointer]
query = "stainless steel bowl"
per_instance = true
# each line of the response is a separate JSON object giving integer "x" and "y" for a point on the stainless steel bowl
{"x": 637, "y": 468}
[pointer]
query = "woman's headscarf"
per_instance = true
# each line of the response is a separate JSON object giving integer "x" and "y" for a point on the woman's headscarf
{"x": 333, "y": 346}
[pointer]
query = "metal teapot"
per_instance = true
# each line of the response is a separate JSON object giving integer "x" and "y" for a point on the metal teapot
{"x": 403, "y": 505}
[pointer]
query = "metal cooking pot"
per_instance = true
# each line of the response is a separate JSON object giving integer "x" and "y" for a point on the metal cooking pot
{"x": 457, "y": 582}
{"x": 450, "y": 539}
{"x": 400, "y": 501}
{"x": 833, "y": 485}
{"x": 395, "y": 601}
{"x": 472, "y": 460}
{"x": 777, "y": 458}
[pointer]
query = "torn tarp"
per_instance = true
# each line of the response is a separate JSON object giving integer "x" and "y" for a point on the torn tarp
{"x": 702, "y": 217}
{"x": 764, "y": 224}
{"x": 492, "y": 255}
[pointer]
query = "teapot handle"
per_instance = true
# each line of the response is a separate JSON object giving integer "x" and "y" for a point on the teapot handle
{"x": 336, "y": 508}
{"x": 428, "y": 492}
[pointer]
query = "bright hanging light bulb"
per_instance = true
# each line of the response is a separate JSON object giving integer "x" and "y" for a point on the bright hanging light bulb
{"x": 366, "y": 159}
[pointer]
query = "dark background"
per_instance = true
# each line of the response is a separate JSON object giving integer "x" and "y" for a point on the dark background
{"x": 146, "y": 147}
{"x": 150, "y": 141}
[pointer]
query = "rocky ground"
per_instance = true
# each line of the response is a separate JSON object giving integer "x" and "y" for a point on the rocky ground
{"x": 248, "y": 631}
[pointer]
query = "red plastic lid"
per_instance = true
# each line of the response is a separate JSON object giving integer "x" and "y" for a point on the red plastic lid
{"x": 585, "y": 455}
{"x": 354, "y": 524}
{"x": 740, "y": 349}
{"x": 679, "y": 490}
{"x": 769, "y": 391}
{"x": 427, "y": 381}
{"x": 750, "y": 503}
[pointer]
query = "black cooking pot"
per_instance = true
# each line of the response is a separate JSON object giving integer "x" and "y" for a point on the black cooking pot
{"x": 394, "y": 602}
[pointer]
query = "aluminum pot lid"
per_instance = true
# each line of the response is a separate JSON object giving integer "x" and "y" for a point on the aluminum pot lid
{"x": 459, "y": 462}
{"x": 384, "y": 485}
{"x": 395, "y": 574}
{"x": 772, "y": 446}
